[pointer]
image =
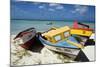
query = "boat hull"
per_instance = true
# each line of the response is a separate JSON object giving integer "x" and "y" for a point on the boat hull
{"x": 27, "y": 44}
{"x": 81, "y": 32}
{"x": 29, "y": 40}
{"x": 72, "y": 52}
{"x": 33, "y": 44}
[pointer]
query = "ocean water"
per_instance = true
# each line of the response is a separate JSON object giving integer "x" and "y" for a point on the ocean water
{"x": 40, "y": 26}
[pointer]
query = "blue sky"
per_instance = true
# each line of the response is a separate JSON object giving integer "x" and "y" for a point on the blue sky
{"x": 51, "y": 11}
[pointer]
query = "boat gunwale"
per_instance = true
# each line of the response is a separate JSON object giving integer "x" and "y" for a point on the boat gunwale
{"x": 87, "y": 29}
{"x": 55, "y": 46}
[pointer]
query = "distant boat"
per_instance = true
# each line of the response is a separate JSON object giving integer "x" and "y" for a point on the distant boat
{"x": 50, "y": 23}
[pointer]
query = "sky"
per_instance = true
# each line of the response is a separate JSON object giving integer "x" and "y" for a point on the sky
{"x": 51, "y": 11}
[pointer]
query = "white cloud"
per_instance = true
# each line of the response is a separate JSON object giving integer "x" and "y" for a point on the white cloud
{"x": 36, "y": 3}
{"x": 53, "y": 4}
{"x": 41, "y": 7}
{"x": 51, "y": 9}
{"x": 56, "y": 6}
{"x": 80, "y": 9}
{"x": 59, "y": 7}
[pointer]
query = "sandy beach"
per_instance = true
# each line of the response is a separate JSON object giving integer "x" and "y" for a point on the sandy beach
{"x": 20, "y": 56}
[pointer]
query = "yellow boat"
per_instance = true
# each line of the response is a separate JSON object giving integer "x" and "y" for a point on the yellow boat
{"x": 81, "y": 29}
{"x": 60, "y": 40}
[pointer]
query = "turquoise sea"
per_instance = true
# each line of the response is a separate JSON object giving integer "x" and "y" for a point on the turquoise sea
{"x": 41, "y": 26}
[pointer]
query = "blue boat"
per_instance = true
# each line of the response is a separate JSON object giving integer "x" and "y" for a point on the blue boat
{"x": 60, "y": 40}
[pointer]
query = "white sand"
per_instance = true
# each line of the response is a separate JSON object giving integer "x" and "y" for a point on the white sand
{"x": 20, "y": 56}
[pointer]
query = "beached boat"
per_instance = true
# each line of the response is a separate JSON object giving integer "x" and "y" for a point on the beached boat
{"x": 65, "y": 40}
{"x": 60, "y": 40}
{"x": 29, "y": 40}
{"x": 81, "y": 29}
{"x": 25, "y": 38}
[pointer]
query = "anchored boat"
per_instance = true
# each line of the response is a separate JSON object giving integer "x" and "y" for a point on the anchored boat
{"x": 50, "y": 23}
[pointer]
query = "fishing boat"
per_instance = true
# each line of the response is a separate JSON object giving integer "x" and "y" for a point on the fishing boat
{"x": 50, "y": 23}
{"x": 65, "y": 40}
{"x": 25, "y": 38}
{"x": 28, "y": 40}
{"x": 60, "y": 40}
{"x": 81, "y": 29}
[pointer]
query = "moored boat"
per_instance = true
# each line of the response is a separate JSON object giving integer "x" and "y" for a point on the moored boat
{"x": 50, "y": 23}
